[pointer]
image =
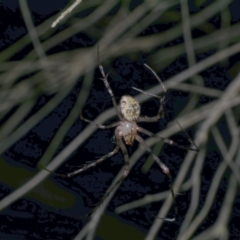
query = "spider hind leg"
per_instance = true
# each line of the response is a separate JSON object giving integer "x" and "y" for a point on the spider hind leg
{"x": 161, "y": 113}
{"x": 169, "y": 141}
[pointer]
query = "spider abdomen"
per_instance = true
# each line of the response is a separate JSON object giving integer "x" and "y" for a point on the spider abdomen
{"x": 130, "y": 108}
{"x": 128, "y": 131}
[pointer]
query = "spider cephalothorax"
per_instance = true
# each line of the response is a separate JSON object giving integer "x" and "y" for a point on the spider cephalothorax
{"x": 127, "y": 131}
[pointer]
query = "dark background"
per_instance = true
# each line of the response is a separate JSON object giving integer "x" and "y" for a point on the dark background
{"x": 55, "y": 209}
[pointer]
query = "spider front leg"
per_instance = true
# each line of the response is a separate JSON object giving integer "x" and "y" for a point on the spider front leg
{"x": 121, "y": 145}
{"x": 160, "y": 113}
{"x": 164, "y": 168}
{"x": 87, "y": 166}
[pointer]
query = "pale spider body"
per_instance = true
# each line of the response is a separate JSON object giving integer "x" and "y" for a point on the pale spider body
{"x": 130, "y": 110}
{"x": 126, "y": 131}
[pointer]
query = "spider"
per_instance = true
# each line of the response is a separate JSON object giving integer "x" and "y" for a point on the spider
{"x": 127, "y": 129}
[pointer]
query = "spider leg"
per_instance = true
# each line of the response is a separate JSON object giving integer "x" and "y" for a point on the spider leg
{"x": 99, "y": 125}
{"x": 126, "y": 166}
{"x": 164, "y": 168}
{"x": 169, "y": 141}
{"x": 160, "y": 113}
{"x": 124, "y": 175}
{"x": 158, "y": 78}
{"x": 106, "y": 83}
{"x": 87, "y": 166}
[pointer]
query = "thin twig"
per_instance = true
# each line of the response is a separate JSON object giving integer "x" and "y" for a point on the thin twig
{"x": 66, "y": 12}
